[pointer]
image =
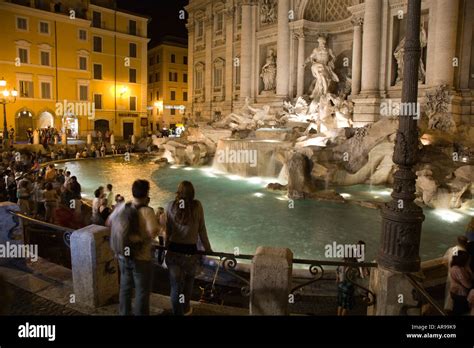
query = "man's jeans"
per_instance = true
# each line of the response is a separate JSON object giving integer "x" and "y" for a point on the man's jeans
{"x": 182, "y": 270}
{"x": 139, "y": 273}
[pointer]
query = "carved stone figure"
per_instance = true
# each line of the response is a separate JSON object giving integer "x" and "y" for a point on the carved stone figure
{"x": 268, "y": 12}
{"x": 436, "y": 110}
{"x": 268, "y": 73}
{"x": 399, "y": 55}
{"x": 249, "y": 118}
{"x": 322, "y": 66}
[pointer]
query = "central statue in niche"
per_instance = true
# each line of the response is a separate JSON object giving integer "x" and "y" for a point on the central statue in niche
{"x": 268, "y": 73}
{"x": 322, "y": 66}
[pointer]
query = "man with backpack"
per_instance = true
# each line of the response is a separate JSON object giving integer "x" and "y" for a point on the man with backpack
{"x": 133, "y": 227}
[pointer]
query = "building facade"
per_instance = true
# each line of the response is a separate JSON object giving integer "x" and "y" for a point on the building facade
{"x": 77, "y": 66}
{"x": 232, "y": 41}
{"x": 168, "y": 84}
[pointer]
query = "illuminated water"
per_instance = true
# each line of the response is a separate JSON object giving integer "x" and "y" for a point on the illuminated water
{"x": 243, "y": 214}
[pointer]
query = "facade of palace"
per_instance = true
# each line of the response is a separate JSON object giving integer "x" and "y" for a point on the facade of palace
{"x": 168, "y": 83}
{"x": 259, "y": 50}
{"x": 81, "y": 65}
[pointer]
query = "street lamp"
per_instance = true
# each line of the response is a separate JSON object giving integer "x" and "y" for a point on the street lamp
{"x": 7, "y": 96}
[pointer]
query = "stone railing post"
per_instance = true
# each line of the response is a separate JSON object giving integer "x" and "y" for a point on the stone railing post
{"x": 270, "y": 281}
{"x": 94, "y": 267}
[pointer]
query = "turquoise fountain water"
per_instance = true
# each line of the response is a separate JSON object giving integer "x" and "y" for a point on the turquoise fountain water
{"x": 241, "y": 213}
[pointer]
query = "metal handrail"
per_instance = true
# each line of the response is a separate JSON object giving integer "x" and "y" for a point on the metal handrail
{"x": 418, "y": 287}
{"x": 42, "y": 223}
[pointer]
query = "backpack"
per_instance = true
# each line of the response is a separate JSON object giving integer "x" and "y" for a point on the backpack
{"x": 125, "y": 236}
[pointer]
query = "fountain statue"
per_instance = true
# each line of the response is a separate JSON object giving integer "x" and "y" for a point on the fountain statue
{"x": 322, "y": 66}
{"x": 399, "y": 55}
{"x": 268, "y": 73}
{"x": 249, "y": 118}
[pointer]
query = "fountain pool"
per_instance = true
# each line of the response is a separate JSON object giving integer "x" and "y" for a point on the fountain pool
{"x": 241, "y": 213}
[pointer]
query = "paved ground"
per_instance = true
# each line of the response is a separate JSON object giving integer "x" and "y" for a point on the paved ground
{"x": 26, "y": 303}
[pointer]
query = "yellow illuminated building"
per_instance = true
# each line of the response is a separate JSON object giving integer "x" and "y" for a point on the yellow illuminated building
{"x": 168, "y": 83}
{"x": 76, "y": 65}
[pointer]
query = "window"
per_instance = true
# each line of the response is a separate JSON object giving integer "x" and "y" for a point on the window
{"x": 157, "y": 77}
{"x": 96, "y": 19}
{"x": 151, "y": 96}
{"x": 150, "y": 78}
{"x": 44, "y": 57}
{"x": 21, "y": 23}
{"x": 23, "y": 55}
{"x": 173, "y": 95}
{"x": 219, "y": 23}
{"x": 185, "y": 60}
{"x": 83, "y": 92}
{"x": 158, "y": 59}
{"x": 46, "y": 90}
{"x": 132, "y": 75}
{"x": 157, "y": 95}
{"x": 82, "y": 63}
{"x": 97, "y": 44}
{"x": 173, "y": 76}
{"x": 237, "y": 74}
{"x": 198, "y": 82}
{"x": 173, "y": 58}
{"x": 44, "y": 27}
{"x": 82, "y": 35}
{"x": 185, "y": 78}
{"x": 97, "y": 72}
{"x": 173, "y": 112}
{"x": 133, "y": 103}
{"x": 185, "y": 96}
{"x": 217, "y": 77}
{"x": 132, "y": 27}
{"x": 98, "y": 101}
{"x": 151, "y": 61}
{"x": 26, "y": 89}
{"x": 199, "y": 29}
{"x": 133, "y": 50}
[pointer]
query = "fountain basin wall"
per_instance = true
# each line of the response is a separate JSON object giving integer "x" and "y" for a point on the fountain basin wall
{"x": 250, "y": 157}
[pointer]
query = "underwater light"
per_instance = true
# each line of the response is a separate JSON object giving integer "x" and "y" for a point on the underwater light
{"x": 258, "y": 194}
{"x": 448, "y": 215}
{"x": 345, "y": 195}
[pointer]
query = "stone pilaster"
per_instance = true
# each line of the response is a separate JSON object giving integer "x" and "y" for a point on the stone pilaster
{"x": 357, "y": 55}
{"x": 246, "y": 49}
{"x": 283, "y": 48}
{"x": 445, "y": 41}
{"x": 301, "y": 58}
{"x": 371, "y": 47}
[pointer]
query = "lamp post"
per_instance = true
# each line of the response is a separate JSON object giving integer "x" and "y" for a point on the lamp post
{"x": 401, "y": 217}
{"x": 7, "y": 96}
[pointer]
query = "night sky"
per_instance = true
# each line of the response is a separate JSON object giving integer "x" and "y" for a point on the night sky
{"x": 164, "y": 14}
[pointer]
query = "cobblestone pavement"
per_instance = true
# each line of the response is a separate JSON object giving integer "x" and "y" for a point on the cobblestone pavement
{"x": 26, "y": 303}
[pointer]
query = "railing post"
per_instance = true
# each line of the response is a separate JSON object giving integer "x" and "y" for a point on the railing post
{"x": 94, "y": 267}
{"x": 270, "y": 281}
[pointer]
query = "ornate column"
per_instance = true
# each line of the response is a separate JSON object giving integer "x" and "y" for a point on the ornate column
{"x": 445, "y": 41}
{"x": 301, "y": 57}
{"x": 357, "y": 54}
{"x": 402, "y": 218}
{"x": 283, "y": 48}
{"x": 371, "y": 46}
{"x": 246, "y": 49}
